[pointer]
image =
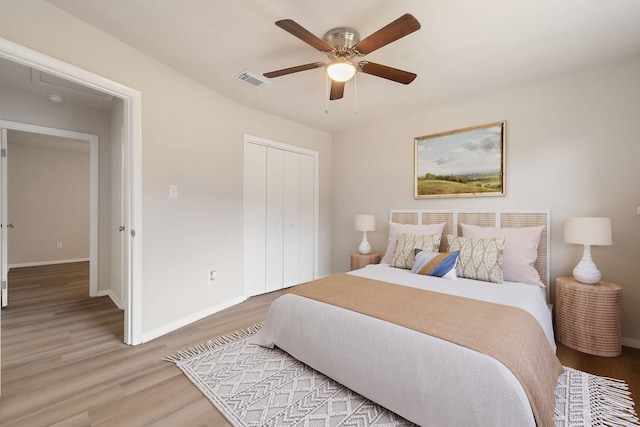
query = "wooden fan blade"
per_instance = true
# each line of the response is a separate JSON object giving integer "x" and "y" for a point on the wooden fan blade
{"x": 397, "y": 29}
{"x": 386, "y": 72}
{"x": 303, "y": 34}
{"x": 337, "y": 90}
{"x": 292, "y": 70}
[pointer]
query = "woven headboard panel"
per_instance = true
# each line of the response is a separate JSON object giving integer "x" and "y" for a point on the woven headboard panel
{"x": 453, "y": 219}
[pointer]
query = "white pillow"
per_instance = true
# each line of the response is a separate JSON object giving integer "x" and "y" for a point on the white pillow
{"x": 418, "y": 230}
{"x": 520, "y": 250}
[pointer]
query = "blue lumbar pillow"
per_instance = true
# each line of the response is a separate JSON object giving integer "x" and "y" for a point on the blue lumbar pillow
{"x": 435, "y": 264}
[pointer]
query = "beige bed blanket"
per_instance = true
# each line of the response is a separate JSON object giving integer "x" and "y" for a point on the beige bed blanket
{"x": 508, "y": 334}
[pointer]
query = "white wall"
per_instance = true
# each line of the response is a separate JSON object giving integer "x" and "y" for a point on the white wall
{"x": 572, "y": 146}
{"x": 192, "y": 138}
{"x": 48, "y": 200}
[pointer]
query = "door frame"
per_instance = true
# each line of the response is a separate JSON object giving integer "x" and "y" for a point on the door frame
{"x": 132, "y": 101}
{"x": 4, "y": 230}
{"x": 93, "y": 187}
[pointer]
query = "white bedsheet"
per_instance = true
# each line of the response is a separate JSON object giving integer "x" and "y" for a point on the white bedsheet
{"x": 427, "y": 380}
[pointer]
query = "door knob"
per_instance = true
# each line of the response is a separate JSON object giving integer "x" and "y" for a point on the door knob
{"x": 121, "y": 228}
{"x": 10, "y": 225}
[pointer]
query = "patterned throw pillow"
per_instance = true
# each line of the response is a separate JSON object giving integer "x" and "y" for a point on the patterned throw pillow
{"x": 396, "y": 229}
{"x": 479, "y": 259}
{"x": 403, "y": 255}
{"x": 435, "y": 264}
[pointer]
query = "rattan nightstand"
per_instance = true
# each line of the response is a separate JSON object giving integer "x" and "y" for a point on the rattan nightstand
{"x": 359, "y": 261}
{"x": 588, "y": 317}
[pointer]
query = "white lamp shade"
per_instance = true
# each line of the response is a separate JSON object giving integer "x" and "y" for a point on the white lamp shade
{"x": 341, "y": 71}
{"x": 365, "y": 223}
{"x": 588, "y": 231}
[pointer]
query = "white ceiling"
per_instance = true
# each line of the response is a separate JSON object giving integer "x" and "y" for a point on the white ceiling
{"x": 20, "y": 79}
{"x": 465, "y": 47}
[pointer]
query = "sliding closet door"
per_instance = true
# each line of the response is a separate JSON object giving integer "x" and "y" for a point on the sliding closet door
{"x": 275, "y": 219}
{"x": 291, "y": 244}
{"x": 279, "y": 216}
{"x": 307, "y": 218}
{"x": 255, "y": 218}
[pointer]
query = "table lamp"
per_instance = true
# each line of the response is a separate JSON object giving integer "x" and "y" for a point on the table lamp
{"x": 365, "y": 223}
{"x": 587, "y": 231}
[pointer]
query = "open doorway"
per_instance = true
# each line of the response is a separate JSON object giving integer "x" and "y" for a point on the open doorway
{"x": 49, "y": 199}
{"x": 130, "y": 125}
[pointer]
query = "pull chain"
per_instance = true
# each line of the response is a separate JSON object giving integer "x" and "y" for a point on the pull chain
{"x": 355, "y": 94}
{"x": 326, "y": 93}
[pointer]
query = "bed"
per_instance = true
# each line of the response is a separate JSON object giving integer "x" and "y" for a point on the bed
{"x": 422, "y": 377}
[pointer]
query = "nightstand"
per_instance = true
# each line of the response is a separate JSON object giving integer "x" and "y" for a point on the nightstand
{"x": 588, "y": 317}
{"x": 359, "y": 261}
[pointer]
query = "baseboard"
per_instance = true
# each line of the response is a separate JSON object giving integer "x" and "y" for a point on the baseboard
{"x": 37, "y": 263}
{"x": 631, "y": 342}
{"x": 148, "y": 336}
{"x": 109, "y": 293}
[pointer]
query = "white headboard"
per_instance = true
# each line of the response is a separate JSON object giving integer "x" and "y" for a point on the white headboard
{"x": 504, "y": 219}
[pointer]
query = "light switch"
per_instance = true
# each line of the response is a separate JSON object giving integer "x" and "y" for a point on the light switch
{"x": 637, "y": 210}
{"x": 173, "y": 191}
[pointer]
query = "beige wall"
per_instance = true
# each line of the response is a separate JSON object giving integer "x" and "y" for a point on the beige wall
{"x": 572, "y": 146}
{"x": 192, "y": 138}
{"x": 48, "y": 200}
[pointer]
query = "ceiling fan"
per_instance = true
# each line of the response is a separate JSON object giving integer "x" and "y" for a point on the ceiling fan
{"x": 343, "y": 44}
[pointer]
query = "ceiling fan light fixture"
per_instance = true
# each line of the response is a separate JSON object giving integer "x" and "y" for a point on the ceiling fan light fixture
{"x": 341, "y": 70}
{"x": 343, "y": 44}
{"x": 56, "y": 99}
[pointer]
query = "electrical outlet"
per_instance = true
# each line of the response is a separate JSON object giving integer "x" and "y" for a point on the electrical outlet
{"x": 213, "y": 274}
{"x": 58, "y": 245}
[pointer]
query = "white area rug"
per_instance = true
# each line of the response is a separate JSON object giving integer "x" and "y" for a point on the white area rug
{"x": 256, "y": 386}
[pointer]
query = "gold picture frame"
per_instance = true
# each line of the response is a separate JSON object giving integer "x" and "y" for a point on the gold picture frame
{"x": 467, "y": 162}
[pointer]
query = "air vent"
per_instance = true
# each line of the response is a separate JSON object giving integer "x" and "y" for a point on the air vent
{"x": 253, "y": 79}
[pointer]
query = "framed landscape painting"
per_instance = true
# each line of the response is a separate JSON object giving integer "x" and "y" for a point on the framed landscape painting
{"x": 465, "y": 162}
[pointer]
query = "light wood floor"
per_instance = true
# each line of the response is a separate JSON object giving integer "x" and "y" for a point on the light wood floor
{"x": 64, "y": 363}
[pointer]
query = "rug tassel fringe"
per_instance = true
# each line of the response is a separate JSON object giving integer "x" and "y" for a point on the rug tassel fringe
{"x": 611, "y": 403}
{"x": 211, "y": 344}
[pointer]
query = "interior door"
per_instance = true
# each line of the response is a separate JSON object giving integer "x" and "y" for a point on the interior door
{"x": 3, "y": 138}
{"x": 5, "y": 227}
{"x": 122, "y": 212}
{"x": 118, "y": 230}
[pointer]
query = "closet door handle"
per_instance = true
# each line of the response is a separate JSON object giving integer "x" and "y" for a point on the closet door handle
{"x": 10, "y": 225}
{"x": 121, "y": 228}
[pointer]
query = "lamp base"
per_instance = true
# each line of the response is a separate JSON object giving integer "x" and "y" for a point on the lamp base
{"x": 365, "y": 247}
{"x": 586, "y": 271}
